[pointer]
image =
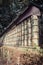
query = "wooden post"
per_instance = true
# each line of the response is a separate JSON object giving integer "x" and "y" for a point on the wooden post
{"x": 29, "y": 32}
{"x": 26, "y": 28}
{"x": 35, "y": 30}
{"x": 22, "y": 34}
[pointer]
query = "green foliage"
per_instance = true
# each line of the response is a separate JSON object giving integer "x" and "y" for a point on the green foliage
{"x": 41, "y": 52}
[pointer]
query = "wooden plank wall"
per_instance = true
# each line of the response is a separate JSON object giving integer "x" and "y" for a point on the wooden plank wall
{"x": 24, "y": 34}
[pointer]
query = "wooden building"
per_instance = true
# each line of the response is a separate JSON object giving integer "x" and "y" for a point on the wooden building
{"x": 24, "y": 33}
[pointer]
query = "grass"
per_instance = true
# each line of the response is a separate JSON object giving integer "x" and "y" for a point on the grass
{"x": 11, "y": 54}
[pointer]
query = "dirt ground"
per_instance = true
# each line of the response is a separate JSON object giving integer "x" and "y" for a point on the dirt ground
{"x": 20, "y": 56}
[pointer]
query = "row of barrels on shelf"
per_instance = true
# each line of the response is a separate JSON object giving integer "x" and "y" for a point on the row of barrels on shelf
{"x": 24, "y": 34}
